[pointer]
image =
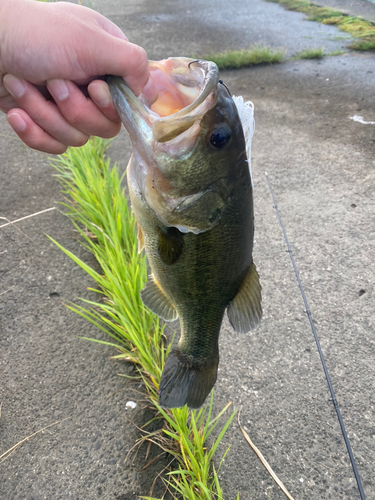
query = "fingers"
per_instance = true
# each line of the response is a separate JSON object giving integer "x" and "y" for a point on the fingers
{"x": 99, "y": 92}
{"x": 33, "y": 135}
{"x": 81, "y": 112}
{"x": 69, "y": 121}
{"x": 137, "y": 75}
{"x": 116, "y": 56}
{"x": 44, "y": 113}
{"x": 7, "y": 101}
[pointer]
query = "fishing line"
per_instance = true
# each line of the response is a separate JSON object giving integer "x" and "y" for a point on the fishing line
{"x": 334, "y": 400}
{"x": 222, "y": 83}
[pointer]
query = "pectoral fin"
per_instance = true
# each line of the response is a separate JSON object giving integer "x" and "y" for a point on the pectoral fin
{"x": 141, "y": 242}
{"x": 245, "y": 310}
{"x": 170, "y": 245}
{"x": 155, "y": 299}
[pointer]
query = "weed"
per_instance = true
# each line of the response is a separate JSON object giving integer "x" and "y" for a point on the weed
{"x": 98, "y": 203}
{"x": 313, "y": 12}
{"x": 336, "y": 53}
{"x": 363, "y": 45}
{"x": 317, "y": 53}
{"x": 233, "y": 59}
{"x": 323, "y": 14}
{"x": 333, "y": 20}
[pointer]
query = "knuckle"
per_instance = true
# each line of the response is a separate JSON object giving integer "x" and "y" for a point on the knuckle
{"x": 76, "y": 117}
{"x": 140, "y": 60}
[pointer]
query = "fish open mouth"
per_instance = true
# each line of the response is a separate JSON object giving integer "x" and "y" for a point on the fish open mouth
{"x": 169, "y": 130}
{"x": 186, "y": 91}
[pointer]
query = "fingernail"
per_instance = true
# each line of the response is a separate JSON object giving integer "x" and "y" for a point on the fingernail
{"x": 14, "y": 86}
{"x": 150, "y": 91}
{"x": 16, "y": 122}
{"x": 59, "y": 89}
{"x": 100, "y": 94}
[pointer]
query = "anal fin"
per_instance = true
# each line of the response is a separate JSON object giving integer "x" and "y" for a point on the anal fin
{"x": 155, "y": 299}
{"x": 245, "y": 310}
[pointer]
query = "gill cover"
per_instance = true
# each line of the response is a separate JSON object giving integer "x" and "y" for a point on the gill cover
{"x": 180, "y": 164}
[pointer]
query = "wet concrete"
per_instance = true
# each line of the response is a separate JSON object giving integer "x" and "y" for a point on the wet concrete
{"x": 170, "y": 29}
{"x": 322, "y": 167}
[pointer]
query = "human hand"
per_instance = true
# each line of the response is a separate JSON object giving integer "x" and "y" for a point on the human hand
{"x": 63, "y": 48}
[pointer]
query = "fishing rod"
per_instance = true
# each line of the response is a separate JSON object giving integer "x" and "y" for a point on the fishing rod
{"x": 308, "y": 312}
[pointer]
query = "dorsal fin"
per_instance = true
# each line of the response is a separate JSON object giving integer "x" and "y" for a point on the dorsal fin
{"x": 245, "y": 310}
{"x": 246, "y": 113}
{"x": 155, "y": 299}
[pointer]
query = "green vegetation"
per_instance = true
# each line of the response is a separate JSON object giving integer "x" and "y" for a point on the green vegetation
{"x": 363, "y": 31}
{"x": 336, "y": 53}
{"x": 97, "y": 204}
{"x": 363, "y": 45}
{"x": 317, "y": 53}
{"x": 358, "y": 28}
{"x": 196, "y": 478}
{"x": 313, "y": 12}
{"x": 233, "y": 59}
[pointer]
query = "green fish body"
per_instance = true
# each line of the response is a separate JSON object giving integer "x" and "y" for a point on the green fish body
{"x": 191, "y": 192}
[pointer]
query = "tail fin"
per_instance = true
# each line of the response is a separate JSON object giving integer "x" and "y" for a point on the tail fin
{"x": 186, "y": 381}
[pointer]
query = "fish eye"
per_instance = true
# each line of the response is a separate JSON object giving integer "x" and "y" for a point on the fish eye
{"x": 220, "y": 136}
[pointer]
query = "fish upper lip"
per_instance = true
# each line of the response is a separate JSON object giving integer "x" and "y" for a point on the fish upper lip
{"x": 134, "y": 113}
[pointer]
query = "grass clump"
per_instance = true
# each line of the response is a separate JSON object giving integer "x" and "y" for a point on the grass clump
{"x": 323, "y": 14}
{"x": 188, "y": 431}
{"x": 363, "y": 31}
{"x": 317, "y": 53}
{"x": 355, "y": 26}
{"x": 313, "y": 12}
{"x": 336, "y": 53}
{"x": 363, "y": 45}
{"x": 234, "y": 59}
{"x": 97, "y": 204}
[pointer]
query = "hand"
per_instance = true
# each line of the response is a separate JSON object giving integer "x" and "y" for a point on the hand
{"x": 60, "y": 50}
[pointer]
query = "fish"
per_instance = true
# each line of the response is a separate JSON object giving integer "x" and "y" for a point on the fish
{"x": 191, "y": 192}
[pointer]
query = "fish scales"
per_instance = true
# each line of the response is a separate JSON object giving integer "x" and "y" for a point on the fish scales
{"x": 191, "y": 193}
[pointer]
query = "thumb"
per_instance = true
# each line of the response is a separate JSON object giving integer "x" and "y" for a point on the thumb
{"x": 123, "y": 58}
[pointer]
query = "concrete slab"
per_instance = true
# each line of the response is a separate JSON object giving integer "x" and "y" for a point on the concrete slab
{"x": 321, "y": 165}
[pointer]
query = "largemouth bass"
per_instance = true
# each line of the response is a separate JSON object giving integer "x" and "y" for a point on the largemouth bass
{"x": 191, "y": 192}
